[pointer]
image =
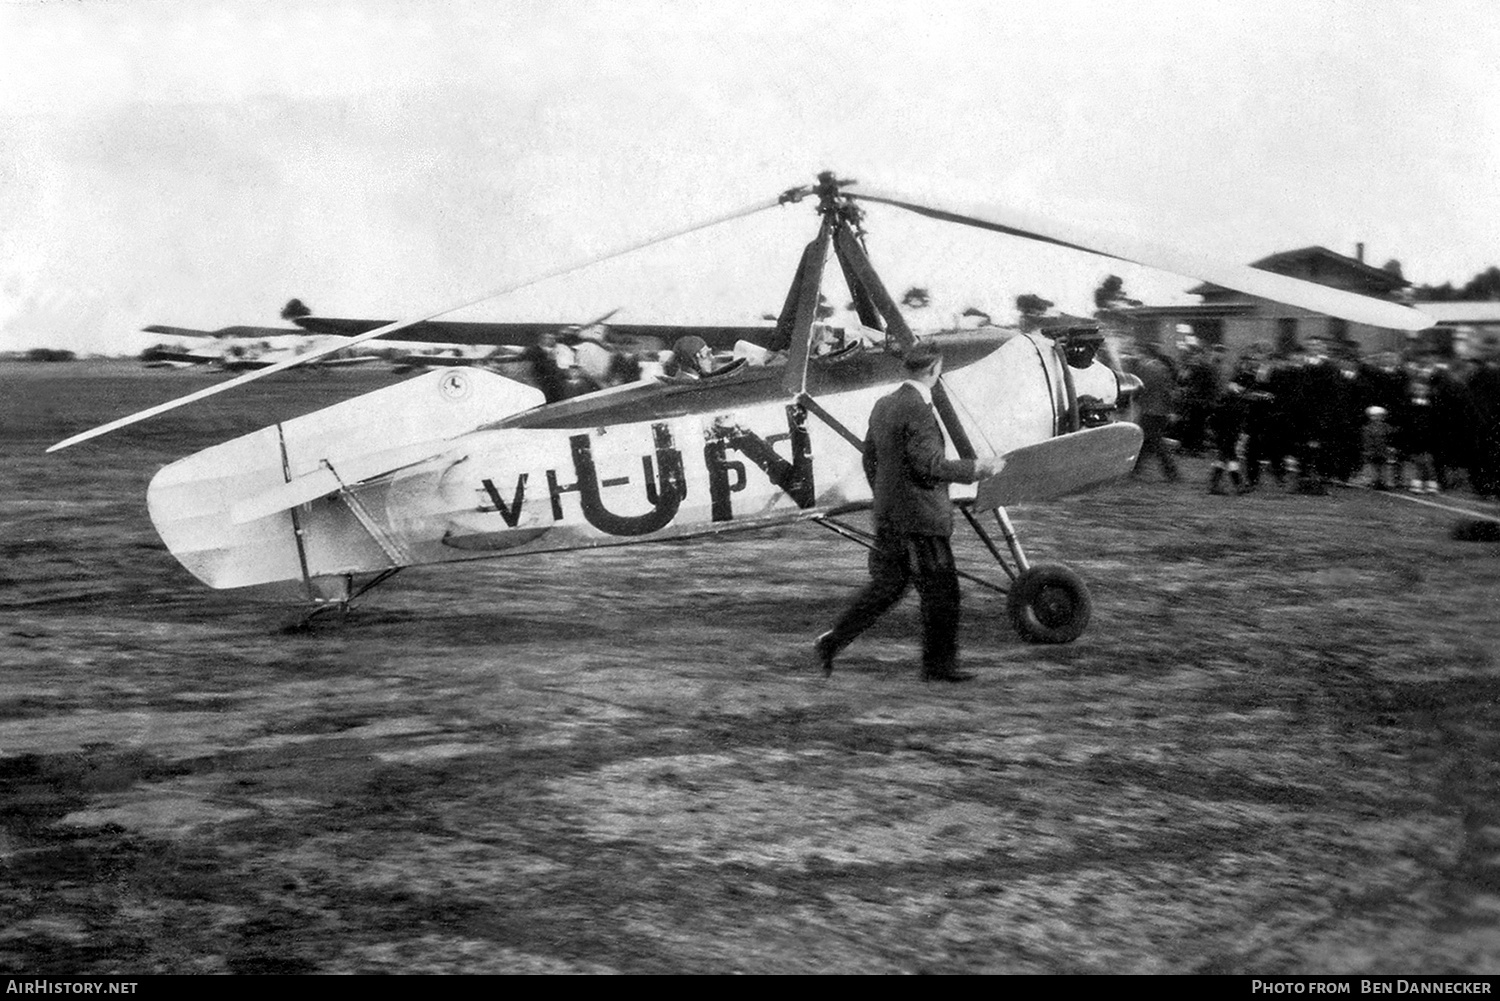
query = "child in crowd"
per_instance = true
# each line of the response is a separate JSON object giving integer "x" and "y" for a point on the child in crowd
{"x": 1378, "y": 450}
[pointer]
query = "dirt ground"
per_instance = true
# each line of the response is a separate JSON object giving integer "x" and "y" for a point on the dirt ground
{"x": 1276, "y": 750}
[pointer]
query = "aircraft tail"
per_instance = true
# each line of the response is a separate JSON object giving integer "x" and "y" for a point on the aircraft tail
{"x": 253, "y": 510}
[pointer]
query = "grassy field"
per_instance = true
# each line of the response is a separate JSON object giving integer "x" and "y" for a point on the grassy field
{"x": 1276, "y": 750}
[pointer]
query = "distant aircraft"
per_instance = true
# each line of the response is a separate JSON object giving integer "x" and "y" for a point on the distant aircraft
{"x": 632, "y": 337}
{"x": 509, "y": 342}
{"x": 240, "y": 348}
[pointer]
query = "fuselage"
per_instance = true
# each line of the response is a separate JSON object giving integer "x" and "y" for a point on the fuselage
{"x": 633, "y": 464}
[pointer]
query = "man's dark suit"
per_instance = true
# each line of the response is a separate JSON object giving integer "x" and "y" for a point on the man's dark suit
{"x": 913, "y": 518}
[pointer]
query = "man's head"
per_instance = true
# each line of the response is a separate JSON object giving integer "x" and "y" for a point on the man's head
{"x": 923, "y": 362}
{"x": 1081, "y": 345}
{"x": 693, "y": 355}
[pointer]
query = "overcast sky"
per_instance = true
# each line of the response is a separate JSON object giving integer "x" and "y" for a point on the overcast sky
{"x": 197, "y": 163}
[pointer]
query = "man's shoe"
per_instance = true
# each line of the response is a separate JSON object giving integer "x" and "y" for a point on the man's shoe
{"x": 950, "y": 676}
{"x": 823, "y": 651}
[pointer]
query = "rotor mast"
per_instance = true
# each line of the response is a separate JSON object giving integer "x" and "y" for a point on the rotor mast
{"x": 842, "y": 226}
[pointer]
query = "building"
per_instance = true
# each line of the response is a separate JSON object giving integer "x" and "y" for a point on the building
{"x": 1467, "y": 329}
{"x": 1237, "y": 320}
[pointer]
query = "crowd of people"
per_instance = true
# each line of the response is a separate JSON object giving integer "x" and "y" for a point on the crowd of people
{"x": 1322, "y": 414}
{"x": 1303, "y": 419}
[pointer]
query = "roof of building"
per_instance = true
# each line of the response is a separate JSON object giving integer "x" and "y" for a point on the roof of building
{"x": 1287, "y": 262}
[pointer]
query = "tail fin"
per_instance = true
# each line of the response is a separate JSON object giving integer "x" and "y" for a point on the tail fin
{"x": 227, "y": 512}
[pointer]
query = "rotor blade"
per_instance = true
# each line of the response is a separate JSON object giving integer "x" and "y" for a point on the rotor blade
{"x": 1252, "y": 281}
{"x": 391, "y": 328}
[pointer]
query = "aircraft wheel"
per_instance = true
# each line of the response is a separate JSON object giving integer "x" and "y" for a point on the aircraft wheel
{"x": 1049, "y": 604}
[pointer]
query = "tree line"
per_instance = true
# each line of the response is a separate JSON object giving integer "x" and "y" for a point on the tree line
{"x": 1483, "y": 287}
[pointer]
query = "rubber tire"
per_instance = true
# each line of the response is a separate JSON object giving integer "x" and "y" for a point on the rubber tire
{"x": 1049, "y": 604}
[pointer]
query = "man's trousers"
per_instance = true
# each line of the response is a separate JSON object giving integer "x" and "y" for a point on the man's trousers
{"x": 898, "y": 561}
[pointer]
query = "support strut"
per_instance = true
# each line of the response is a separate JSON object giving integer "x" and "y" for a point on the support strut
{"x": 1012, "y": 540}
{"x": 867, "y": 540}
{"x": 322, "y": 606}
{"x": 988, "y": 542}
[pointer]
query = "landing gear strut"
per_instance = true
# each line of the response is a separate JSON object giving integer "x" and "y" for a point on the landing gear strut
{"x": 333, "y": 595}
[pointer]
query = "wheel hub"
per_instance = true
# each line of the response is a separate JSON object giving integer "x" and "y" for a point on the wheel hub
{"x": 1054, "y": 607}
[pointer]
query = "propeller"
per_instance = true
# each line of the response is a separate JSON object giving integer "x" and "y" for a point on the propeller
{"x": 1252, "y": 281}
{"x": 391, "y": 328}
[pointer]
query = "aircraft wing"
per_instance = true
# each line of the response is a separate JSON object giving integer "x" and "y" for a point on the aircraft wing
{"x": 232, "y": 364}
{"x": 161, "y": 328}
{"x": 248, "y": 333}
{"x": 181, "y": 357}
{"x": 346, "y": 362}
{"x": 443, "y": 361}
{"x": 720, "y": 338}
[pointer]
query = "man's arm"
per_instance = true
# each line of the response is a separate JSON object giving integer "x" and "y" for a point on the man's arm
{"x": 924, "y": 451}
{"x": 869, "y": 456}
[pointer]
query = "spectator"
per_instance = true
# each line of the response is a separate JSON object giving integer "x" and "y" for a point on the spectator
{"x": 1154, "y": 403}
{"x": 1316, "y": 410}
{"x": 595, "y": 357}
{"x": 1453, "y": 425}
{"x": 1349, "y": 419}
{"x": 1378, "y": 450}
{"x": 541, "y": 358}
{"x": 1200, "y": 388}
{"x": 576, "y": 383}
{"x": 1417, "y": 428}
{"x": 1227, "y": 421}
{"x": 1484, "y": 395}
{"x": 1262, "y": 437}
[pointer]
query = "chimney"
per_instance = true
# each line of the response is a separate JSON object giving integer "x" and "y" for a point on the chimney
{"x": 1359, "y": 252}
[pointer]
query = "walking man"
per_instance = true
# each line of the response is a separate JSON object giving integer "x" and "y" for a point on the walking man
{"x": 913, "y": 518}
